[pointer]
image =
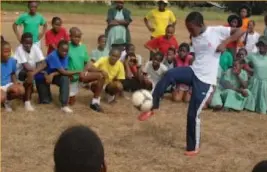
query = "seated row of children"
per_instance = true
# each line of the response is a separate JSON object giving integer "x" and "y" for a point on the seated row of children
{"x": 242, "y": 81}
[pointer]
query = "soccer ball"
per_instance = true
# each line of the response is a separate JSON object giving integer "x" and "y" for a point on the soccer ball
{"x": 142, "y": 100}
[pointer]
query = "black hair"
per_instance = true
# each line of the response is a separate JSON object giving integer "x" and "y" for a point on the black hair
{"x": 243, "y": 49}
{"x": 4, "y": 43}
{"x": 29, "y": 2}
{"x": 170, "y": 25}
{"x": 245, "y": 6}
{"x": 172, "y": 49}
{"x": 26, "y": 35}
{"x": 195, "y": 18}
{"x": 78, "y": 149}
{"x": 186, "y": 45}
{"x": 160, "y": 54}
{"x": 130, "y": 54}
{"x": 128, "y": 46}
{"x": 265, "y": 17}
{"x": 260, "y": 167}
{"x": 2, "y": 38}
{"x": 114, "y": 49}
{"x": 62, "y": 42}
{"x": 100, "y": 37}
{"x": 54, "y": 19}
{"x": 253, "y": 22}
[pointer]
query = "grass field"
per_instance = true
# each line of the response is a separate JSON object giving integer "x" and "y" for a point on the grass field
{"x": 231, "y": 142}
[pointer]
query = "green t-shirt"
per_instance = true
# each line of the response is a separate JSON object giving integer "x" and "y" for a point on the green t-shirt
{"x": 226, "y": 60}
{"x": 96, "y": 54}
{"x": 78, "y": 57}
{"x": 31, "y": 24}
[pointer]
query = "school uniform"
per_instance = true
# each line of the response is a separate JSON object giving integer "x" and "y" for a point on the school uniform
{"x": 97, "y": 54}
{"x": 31, "y": 24}
{"x": 202, "y": 76}
{"x": 8, "y": 68}
{"x": 153, "y": 75}
{"x": 78, "y": 58}
{"x": 115, "y": 72}
{"x": 258, "y": 82}
{"x": 160, "y": 20}
{"x": 230, "y": 98}
{"x": 226, "y": 60}
{"x": 32, "y": 58}
{"x": 54, "y": 38}
{"x": 252, "y": 39}
{"x": 163, "y": 44}
{"x": 54, "y": 62}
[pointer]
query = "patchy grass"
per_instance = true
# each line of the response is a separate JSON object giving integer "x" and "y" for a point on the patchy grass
{"x": 101, "y": 9}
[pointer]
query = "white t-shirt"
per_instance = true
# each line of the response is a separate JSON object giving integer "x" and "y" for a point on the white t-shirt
{"x": 206, "y": 63}
{"x": 35, "y": 56}
{"x": 154, "y": 75}
{"x": 139, "y": 58}
{"x": 252, "y": 40}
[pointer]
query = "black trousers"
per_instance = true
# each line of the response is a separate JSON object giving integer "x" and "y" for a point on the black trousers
{"x": 44, "y": 92}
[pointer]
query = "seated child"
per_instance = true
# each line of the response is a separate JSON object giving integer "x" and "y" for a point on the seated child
{"x": 169, "y": 61}
{"x": 79, "y": 61}
{"x": 133, "y": 75}
{"x": 233, "y": 95}
{"x": 130, "y": 48}
{"x": 182, "y": 91}
{"x": 79, "y": 149}
{"x": 10, "y": 88}
{"x": 101, "y": 50}
{"x": 258, "y": 81}
{"x": 153, "y": 71}
{"x": 30, "y": 61}
{"x": 55, "y": 34}
{"x": 3, "y": 40}
{"x": 56, "y": 73}
{"x": 114, "y": 72}
{"x": 242, "y": 55}
{"x": 250, "y": 38}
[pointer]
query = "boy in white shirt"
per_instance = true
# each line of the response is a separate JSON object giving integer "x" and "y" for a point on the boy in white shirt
{"x": 153, "y": 71}
{"x": 30, "y": 61}
{"x": 251, "y": 38}
{"x": 208, "y": 43}
{"x": 130, "y": 48}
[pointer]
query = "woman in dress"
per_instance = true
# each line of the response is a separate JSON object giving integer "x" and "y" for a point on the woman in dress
{"x": 118, "y": 19}
{"x": 258, "y": 82}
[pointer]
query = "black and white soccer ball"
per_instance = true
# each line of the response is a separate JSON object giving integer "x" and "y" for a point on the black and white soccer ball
{"x": 142, "y": 100}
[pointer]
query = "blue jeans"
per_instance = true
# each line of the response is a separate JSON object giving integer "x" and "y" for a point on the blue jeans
{"x": 200, "y": 94}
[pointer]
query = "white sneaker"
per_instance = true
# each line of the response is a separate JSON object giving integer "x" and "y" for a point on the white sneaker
{"x": 110, "y": 98}
{"x": 66, "y": 109}
{"x": 29, "y": 107}
{"x": 8, "y": 107}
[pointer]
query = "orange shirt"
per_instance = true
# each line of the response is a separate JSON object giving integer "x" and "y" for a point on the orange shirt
{"x": 244, "y": 27}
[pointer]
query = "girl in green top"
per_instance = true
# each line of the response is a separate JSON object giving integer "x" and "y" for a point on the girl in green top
{"x": 31, "y": 22}
{"x": 258, "y": 82}
{"x": 234, "y": 95}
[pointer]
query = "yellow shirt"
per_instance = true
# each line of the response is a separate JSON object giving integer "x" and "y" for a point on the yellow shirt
{"x": 160, "y": 20}
{"x": 114, "y": 72}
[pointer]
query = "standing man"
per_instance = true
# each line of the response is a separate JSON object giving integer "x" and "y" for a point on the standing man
{"x": 31, "y": 22}
{"x": 158, "y": 19}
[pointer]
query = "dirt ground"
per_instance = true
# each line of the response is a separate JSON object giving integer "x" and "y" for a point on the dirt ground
{"x": 231, "y": 142}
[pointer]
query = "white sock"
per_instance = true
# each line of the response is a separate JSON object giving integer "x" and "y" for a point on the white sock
{"x": 27, "y": 103}
{"x": 96, "y": 100}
